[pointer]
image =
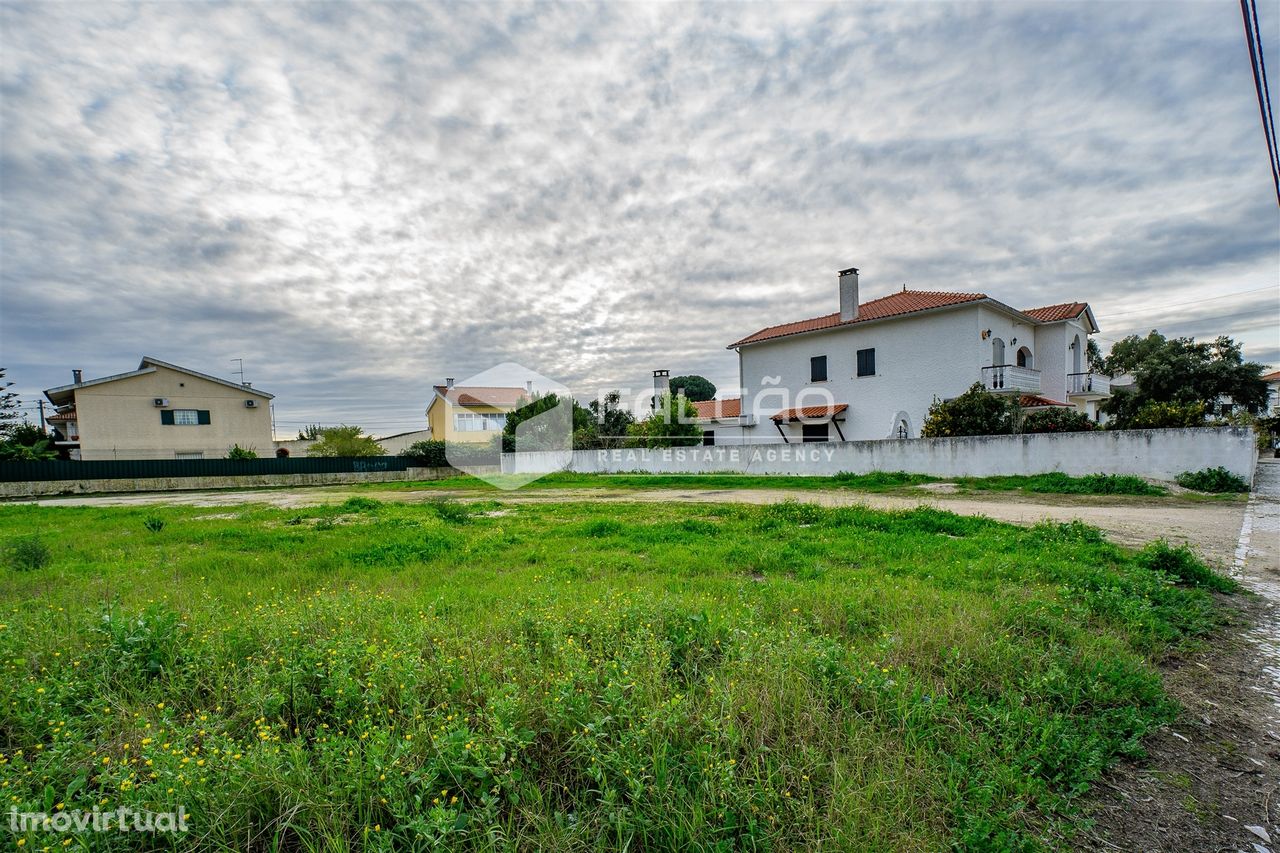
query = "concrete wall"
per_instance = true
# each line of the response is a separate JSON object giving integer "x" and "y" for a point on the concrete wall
{"x": 1159, "y": 454}
{"x": 118, "y": 420}
{"x": 176, "y": 484}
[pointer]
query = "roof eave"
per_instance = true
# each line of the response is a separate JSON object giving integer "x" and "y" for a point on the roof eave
{"x": 859, "y": 323}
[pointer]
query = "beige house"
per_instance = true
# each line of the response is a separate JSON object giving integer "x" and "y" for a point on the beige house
{"x": 159, "y": 411}
{"x": 473, "y": 413}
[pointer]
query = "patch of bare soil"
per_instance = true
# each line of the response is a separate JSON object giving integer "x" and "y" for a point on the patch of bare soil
{"x": 1211, "y": 780}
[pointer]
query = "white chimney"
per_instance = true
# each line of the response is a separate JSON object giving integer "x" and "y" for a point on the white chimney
{"x": 528, "y": 386}
{"x": 848, "y": 294}
{"x": 661, "y": 385}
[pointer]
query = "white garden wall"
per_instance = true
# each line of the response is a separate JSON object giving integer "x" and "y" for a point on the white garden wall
{"x": 1160, "y": 454}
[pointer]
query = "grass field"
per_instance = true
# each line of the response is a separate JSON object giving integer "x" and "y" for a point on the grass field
{"x": 576, "y": 676}
{"x": 876, "y": 481}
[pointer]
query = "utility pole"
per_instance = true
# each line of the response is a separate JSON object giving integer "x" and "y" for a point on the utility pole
{"x": 42, "y": 426}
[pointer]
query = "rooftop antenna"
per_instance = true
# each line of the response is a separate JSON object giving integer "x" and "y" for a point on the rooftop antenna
{"x": 240, "y": 371}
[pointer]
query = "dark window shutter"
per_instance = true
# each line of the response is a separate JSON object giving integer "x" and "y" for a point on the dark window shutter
{"x": 166, "y": 417}
{"x": 203, "y": 416}
{"x": 818, "y": 368}
{"x": 867, "y": 362}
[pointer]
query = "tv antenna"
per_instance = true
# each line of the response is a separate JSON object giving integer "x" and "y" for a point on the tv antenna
{"x": 240, "y": 370}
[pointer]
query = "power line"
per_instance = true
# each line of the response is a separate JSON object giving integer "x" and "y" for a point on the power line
{"x": 1253, "y": 37}
{"x": 1149, "y": 308}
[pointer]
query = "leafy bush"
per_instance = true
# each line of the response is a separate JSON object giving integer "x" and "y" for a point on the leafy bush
{"x": 1216, "y": 480}
{"x": 1062, "y": 484}
{"x": 28, "y": 553}
{"x": 1057, "y": 420}
{"x": 154, "y": 523}
{"x": 238, "y": 452}
{"x": 451, "y": 511}
{"x": 430, "y": 544}
{"x": 1181, "y": 564}
{"x": 427, "y": 454}
{"x": 142, "y": 647}
{"x": 975, "y": 412}
{"x": 360, "y": 505}
{"x": 1154, "y": 415}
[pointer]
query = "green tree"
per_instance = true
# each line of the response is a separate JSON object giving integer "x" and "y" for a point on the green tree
{"x": 27, "y": 443}
{"x": 975, "y": 412}
{"x": 695, "y": 388}
{"x": 345, "y": 441}
{"x": 670, "y": 424}
{"x": 610, "y": 423}
{"x": 311, "y": 432}
{"x": 549, "y": 432}
{"x": 238, "y": 452}
{"x": 1093, "y": 353}
{"x": 1181, "y": 372}
{"x": 10, "y": 407}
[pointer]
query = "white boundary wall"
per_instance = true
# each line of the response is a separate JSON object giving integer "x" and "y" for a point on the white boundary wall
{"x": 1160, "y": 454}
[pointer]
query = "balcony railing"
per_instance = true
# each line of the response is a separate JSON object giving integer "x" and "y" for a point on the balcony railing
{"x": 1088, "y": 383}
{"x": 1010, "y": 377}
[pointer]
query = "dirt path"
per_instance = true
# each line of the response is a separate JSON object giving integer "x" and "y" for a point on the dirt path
{"x": 1212, "y": 528}
{"x": 1211, "y": 781}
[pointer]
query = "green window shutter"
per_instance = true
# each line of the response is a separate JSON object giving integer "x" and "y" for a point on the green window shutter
{"x": 166, "y": 417}
{"x": 203, "y": 416}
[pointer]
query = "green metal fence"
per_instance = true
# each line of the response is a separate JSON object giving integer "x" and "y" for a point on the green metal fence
{"x": 129, "y": 469}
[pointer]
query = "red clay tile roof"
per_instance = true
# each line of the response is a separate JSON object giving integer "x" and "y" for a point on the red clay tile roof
{"x": 62, "y": 416}
{"x": 1035, "y": 401}
{"x": 1054, "y": 313}
{"x": 730, "y": 408}
{"x": 810, "y": 412}
{"x": 480, "y": 395}
{"x": 893, "y": 305}
{"x": 1272, "y": 377}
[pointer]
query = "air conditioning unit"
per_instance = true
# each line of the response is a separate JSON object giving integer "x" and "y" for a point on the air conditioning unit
{"x": 251, "y": 404}
{"x": 159, "y": 402}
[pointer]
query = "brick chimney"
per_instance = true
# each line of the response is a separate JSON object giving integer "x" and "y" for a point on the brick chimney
{"x": 848, "y": 294}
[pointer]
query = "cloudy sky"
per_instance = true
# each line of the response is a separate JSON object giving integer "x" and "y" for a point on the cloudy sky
{"x": 361, "y": 200}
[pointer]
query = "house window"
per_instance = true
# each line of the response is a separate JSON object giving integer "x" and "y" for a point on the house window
{"x": 184, "y": 417}
{"x": 818, "y": 368}
{"x": 814, "y": 432}
{"x": 479, "y": 421}
{"x": 188, "y": 454}
{"x": 708, "y": 438}
{"x": 867, "y": 362}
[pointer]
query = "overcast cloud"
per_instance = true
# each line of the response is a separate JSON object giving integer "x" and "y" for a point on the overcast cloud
{"x": 362, "y": 200}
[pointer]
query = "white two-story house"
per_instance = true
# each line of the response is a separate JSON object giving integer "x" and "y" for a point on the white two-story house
{"x": 871, "y": 370}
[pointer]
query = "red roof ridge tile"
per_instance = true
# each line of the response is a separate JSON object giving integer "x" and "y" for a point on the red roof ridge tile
{"x": 893, "y": 305}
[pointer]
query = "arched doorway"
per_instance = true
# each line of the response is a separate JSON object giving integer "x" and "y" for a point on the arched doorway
{"x": 1077, "y": 355}
{"x": 997, "y": 352}
{"x": 1023, "y": 357}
